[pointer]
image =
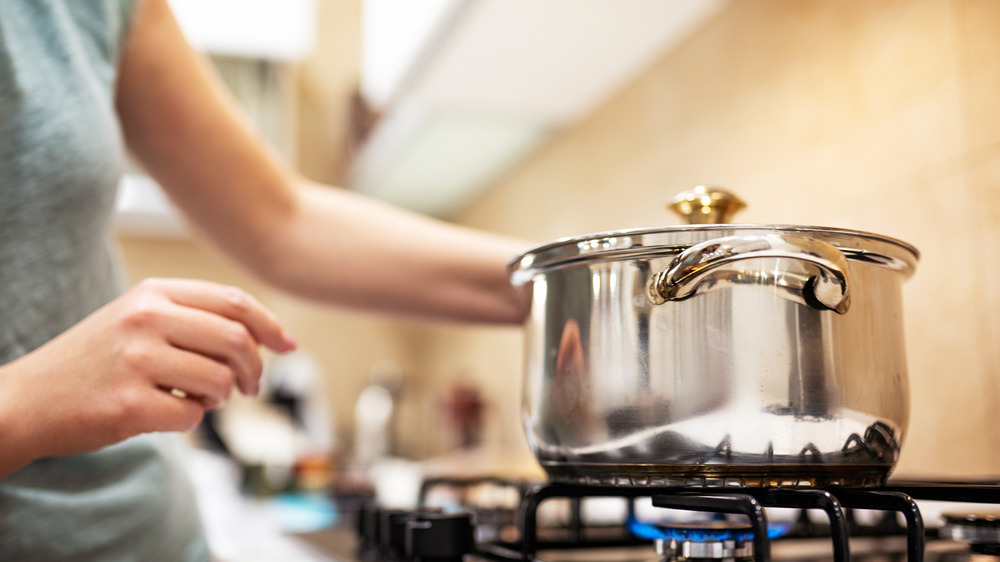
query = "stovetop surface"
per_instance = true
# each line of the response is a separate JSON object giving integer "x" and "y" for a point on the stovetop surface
{"x": 341, "y": 543}
{"x": 899, "y": 534}
{"x": 864, "y": 549}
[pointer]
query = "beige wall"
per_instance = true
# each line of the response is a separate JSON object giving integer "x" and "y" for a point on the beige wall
{"x": 880, "y": 116}
{"x": 327, "y": 80}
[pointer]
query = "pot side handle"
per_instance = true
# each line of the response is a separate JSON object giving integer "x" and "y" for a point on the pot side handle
{"x": 829, "y": 290}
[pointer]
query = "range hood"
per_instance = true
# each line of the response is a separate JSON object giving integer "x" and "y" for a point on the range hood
{"x": 467, "y": 89}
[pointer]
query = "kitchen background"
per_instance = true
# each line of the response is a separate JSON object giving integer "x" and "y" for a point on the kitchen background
{"x": 879, "y": 116}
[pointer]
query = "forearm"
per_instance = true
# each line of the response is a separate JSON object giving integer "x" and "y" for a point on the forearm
{"x": 345, "y": 249}
{"x": 17, "y": 444}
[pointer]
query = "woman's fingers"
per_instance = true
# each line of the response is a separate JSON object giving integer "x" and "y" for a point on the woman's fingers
{"x": 223, "y": 342}
{"x": 174, "y": 413}
{"x": 229, "y": 302}
{"x": 193, "y": 376}
{"x": 221, "y": 323}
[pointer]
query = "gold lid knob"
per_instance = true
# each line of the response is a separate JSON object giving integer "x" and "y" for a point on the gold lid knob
{"x": 706, "y": 205}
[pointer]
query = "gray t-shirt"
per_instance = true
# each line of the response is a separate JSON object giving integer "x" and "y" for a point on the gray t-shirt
{"x": 61, "y": 157}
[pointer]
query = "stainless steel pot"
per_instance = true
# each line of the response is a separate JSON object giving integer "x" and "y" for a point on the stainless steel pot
{"x": 716, "y": 354}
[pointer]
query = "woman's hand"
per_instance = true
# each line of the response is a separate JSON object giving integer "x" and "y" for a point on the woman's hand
{"x": 154, "y": 359}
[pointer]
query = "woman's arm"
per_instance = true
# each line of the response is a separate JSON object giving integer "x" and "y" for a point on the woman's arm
{"x": 315, "y": 241}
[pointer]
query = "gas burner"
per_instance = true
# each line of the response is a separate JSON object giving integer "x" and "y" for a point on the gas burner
{"x": 704, "y": 541}
{"x": 980, "y": 530}
{"x": 735, "y": 525}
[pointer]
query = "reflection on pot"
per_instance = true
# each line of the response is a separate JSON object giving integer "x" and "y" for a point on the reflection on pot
{"x": 570, "y": 398}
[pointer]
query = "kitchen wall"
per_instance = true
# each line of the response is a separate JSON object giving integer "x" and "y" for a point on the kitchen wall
{"x": 880, "y": 116}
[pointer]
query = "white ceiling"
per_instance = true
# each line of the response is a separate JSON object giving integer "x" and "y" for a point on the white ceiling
{"x": 471, "y": 87}
{"x": 266, "y": 29}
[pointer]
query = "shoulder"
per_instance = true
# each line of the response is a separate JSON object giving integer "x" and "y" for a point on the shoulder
{"x": 104, "y": 24}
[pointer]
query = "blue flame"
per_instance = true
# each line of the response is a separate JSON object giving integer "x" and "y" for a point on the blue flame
{"x": 665, "y": 531}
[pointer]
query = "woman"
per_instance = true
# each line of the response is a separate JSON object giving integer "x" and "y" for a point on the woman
{"x": 89, "y": 374}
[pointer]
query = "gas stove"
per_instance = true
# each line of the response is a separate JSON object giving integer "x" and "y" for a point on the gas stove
{"x": 455, "y": 520}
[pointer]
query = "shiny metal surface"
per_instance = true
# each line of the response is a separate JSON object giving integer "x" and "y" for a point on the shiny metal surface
{"x": 695, "y": 269}
{"x": 743, "y": 381}
{"x": 706, "y": 205}
{"x": 729, "y": 550}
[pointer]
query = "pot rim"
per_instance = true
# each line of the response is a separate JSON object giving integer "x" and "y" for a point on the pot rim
{"x": 616, "y": 245}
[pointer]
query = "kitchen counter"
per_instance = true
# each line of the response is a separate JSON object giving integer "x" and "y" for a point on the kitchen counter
{"x": 338, "y": 543}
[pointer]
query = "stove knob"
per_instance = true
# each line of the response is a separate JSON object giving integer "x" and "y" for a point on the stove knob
{"x": 366, "y": 524}
{"x": 440, "y": 537}
{"x": 392, "y": 532}
{"x": 980, "y": 530}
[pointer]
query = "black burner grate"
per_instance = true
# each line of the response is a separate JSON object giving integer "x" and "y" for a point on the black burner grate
{"x": 836, "y": 503}
{"x": 897, "y": 498}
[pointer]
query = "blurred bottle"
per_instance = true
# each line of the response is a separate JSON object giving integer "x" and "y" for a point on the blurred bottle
{"x": 296, "y": 387}
{"x": 375, "y": 413}
{"x": 462, "y": 406}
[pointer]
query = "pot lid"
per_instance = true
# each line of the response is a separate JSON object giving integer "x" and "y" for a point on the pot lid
{"x": 706, "y": 209}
